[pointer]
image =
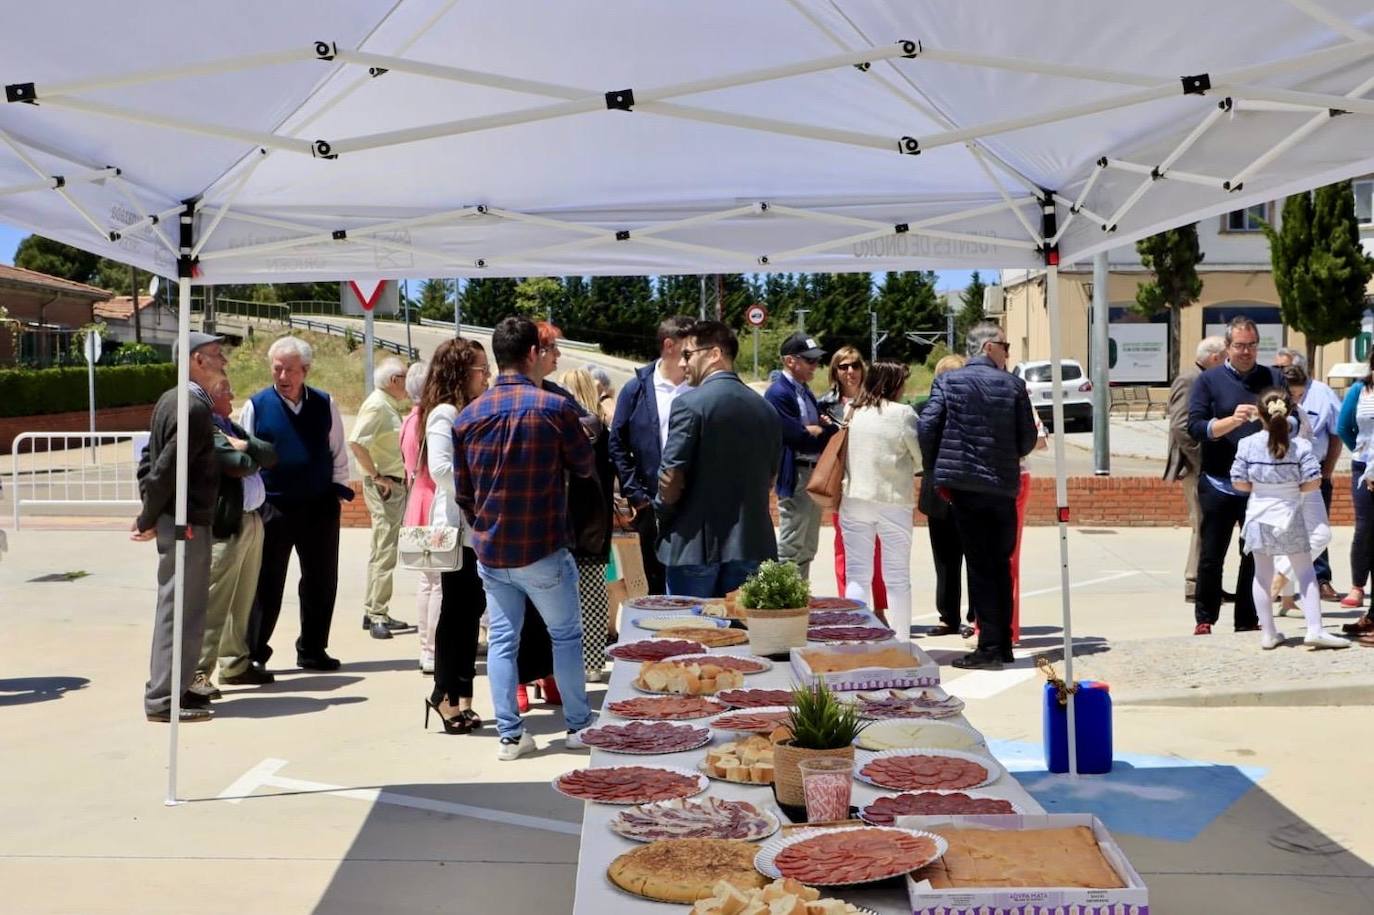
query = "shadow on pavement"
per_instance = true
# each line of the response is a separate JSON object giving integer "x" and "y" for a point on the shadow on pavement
{"x": 304, "y": 684}
{"x": 26, "y": 690}
{"x": 277, "y": 706}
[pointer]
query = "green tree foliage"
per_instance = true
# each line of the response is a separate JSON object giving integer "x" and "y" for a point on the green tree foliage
{"x": 56, "y": 259}
{"x": 541, "y": 297}
{"x": 620, "y": 314}
{"x": 436, "y": 300}
{"x": 486, "y": 300}
{"x": 1173, "y": 256}
{"x": 679, "y": 295}
{"x": 907, "y": 301}
{"x": 1319, "y": 267}
{"x": 839, "y": 309}
{"x": 970, "y": 311}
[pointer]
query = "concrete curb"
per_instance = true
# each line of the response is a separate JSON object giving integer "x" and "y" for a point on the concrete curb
{"x": 1356, "y": 690}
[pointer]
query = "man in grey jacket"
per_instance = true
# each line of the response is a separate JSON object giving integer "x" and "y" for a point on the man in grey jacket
{"x": 1185, "y": 455}
{"x": 979, "y": 424}
{"x": 724, "y": 443}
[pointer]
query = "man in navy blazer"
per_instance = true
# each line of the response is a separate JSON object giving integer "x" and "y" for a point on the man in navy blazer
{"x": 639, "y": 431}
{"x": 805, "y": 430}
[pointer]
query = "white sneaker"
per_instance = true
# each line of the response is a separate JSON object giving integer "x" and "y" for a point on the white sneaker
{"x": 1270, "y": 642}
{"x": 515, "y": 747}
{"x": 1326, "y": 640}
{"x": 574, "y": 739}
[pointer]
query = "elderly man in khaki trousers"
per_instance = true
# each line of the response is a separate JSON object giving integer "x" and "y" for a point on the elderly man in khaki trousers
{"x": 376, "y": 446}
{"x": 1185, "y": 455}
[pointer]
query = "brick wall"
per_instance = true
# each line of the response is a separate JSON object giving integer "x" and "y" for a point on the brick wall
{"x": 110, "y": 419}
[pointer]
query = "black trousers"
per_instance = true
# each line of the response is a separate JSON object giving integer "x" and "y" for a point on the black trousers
{"x": 455, "y": 638}
{"x": 312, "y": 530}
{"x": 948, "y": 552}
{"x": 1221, "y": 513}
{"x": 990, "y": 521}
{"x": 647, "y": 527}
{"x": 1363, "y": 541}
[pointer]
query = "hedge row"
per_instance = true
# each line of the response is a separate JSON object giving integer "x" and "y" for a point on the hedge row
{"x": 29, "y": 392}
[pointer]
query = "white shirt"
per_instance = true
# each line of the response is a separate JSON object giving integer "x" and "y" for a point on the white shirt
{"x": 883, "y": 455}
{"x": 665, "y": 392}
{"x": 336, "y": 431}
{"x": 439, "y": 461}
{"x": 808, "y": 412}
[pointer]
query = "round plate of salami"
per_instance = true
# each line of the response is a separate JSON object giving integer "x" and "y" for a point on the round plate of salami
{"x": 753, "y": 720}
{"x": 679, "y": 621}
{"x": 881, "y": 810}
{"x": 836, "y": 603}
{"x": 838, "y": 618}
{"x": 662, "y": 602}
{"x": 843, "y": 857}
{"x": 849, "y": 634}
{"x": 755, "y": 698}
{"x": 922, "y": 769}
{"x": 745, "y": 664}
{"x": 907, "y": 703}
{"x": 646, "y": 738}
{"x": 665, "y": 708}
{"x": 654, "y": 649}
{"x": 708, "y": 818}
{"x": 630, "y": 784}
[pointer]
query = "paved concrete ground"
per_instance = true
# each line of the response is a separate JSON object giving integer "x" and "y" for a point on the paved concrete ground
{"x": 323, "y": 794}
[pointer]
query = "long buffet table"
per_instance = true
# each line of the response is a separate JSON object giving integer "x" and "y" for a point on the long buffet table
{"x": 596, "y": 895}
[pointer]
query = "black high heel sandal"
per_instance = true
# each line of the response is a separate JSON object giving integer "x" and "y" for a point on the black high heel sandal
{"x": 458, "y": 724}
{"x": 472, "y": 718}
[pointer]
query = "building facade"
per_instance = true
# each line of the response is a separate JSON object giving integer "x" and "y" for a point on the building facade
{"x": 44, "y": 314}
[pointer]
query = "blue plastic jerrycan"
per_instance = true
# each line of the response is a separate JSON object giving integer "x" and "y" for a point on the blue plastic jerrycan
{"x": 1093, "y": 719}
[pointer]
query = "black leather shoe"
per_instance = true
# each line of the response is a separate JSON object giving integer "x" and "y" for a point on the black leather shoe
{"x": 194, "y": 700}
{"x": 380, "y": 631}
{"x": 255, "y": 675}
{"x": 320, "y": 661}
{"x": 185, "y": 716}
{"x": 976, "y": 660}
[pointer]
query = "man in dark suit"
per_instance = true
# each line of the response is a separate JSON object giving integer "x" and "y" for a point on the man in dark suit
{"x": 722, "y": 452}
{"x": 805, "y": 430}
{"x": 639, "y": 431}
{"x": 1185, "y": 455}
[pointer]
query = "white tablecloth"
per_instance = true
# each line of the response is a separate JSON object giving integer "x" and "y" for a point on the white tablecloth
{"x": 596, "y": 895}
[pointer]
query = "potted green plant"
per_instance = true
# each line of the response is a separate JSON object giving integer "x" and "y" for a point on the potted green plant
{"x": 822, "y": 726}
{"x": 776, "y": 601}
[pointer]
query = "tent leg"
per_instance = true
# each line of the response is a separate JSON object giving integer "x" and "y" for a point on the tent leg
{"x": 1101, "y": 368}
{"x": 179, "y": 600}
{"x": 1061, "y": 491}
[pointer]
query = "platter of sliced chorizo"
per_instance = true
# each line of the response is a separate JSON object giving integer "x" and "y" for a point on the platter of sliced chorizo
{"x": 665, "y": 708}
{"x": 881, "y": 810}
{"x": 753, "y": 720}
{"x": 646, "y": 737}
{"x": 849, "y": 634}
{"x": 654, "y": 649}
{"x": 838, "y": 618}
{"x": 755, "y": 698}
{"x": 630, "y": 784}
{"x": 921, "y": 769}
{"x": 843, "y": 857}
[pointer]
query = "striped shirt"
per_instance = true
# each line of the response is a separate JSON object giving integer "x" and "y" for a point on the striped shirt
{"x": 511, "y": 448}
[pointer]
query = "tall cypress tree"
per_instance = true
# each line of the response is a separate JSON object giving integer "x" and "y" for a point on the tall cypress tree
{"x": 1173, "y": 256}
{"x": 486, "y": 300}
{"x": 436, "y": 300}
{"x": 907, "y": 301}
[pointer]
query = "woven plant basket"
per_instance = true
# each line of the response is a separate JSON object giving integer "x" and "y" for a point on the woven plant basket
{"x": 775, "y": 631}
{"x": 787, "y": 773}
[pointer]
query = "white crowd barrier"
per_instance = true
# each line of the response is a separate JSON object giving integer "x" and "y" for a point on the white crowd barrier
{"x": 69, "y": 470}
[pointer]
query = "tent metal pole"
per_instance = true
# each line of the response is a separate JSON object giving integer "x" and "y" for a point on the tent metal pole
{"x": 1061, "y": 487}
{"x": 228, "y": 202}
{"x": 1297, "y": 136}
{"x": 1317, "y": 101}
{"x": 1076, "y": 206}
{"x": 254, "y": 137}
{"x": 56, "y": 181}
{"x": 184, "y": 271}
{"x": 1006, "y": 198}
{"x": 744, "y": 260}
{"x": 1101, "y": 367}
{"x": 66, "y": 195}
{"x": 1141, "y": 190}
{"x": 149, "y": 220}
{"x": 1203, "y": 126}
{"x": 1186, "y": 177}
{"x": 1041, "y": 67}
{"x": 205, "y": 68}
{"x": 1324, "y": 16}
{"x": 127, "y": 193}
{"x": 1334, "y": 56}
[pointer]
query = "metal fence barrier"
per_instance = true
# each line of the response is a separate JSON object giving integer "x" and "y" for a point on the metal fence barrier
{"x": 75, "y": 469}
{"x": 400, "y": 349}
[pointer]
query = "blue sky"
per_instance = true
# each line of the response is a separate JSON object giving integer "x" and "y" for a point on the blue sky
{"x": 10, "y": 237}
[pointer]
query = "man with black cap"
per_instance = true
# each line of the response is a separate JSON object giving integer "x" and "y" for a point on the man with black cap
{"x": 805, "y": 430}
{"x": 157, "y": 484}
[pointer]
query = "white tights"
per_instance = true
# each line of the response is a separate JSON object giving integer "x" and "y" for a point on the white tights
{"x": 1309, "y": 595}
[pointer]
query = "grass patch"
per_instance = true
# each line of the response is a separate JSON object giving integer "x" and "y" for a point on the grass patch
{"x": 336, "y": 370}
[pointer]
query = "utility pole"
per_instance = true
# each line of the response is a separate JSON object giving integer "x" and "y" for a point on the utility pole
{"x": 1101, "y": 368}
{"x": 701, "y": 310}
{"x": 873, "y": 336}
{"x": 720, "y": 297}
{"x": 801, "y": 319}
{"x": 457, "y": 310}
{"x": 405, "y": 300}
{"x": 133, "y": 284}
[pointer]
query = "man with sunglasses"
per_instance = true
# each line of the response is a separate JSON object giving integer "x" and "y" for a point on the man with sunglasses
{"x": 805, "y": 430}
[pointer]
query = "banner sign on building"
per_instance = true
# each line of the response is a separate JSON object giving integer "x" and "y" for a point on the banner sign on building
{"x": 1138, "y": 347}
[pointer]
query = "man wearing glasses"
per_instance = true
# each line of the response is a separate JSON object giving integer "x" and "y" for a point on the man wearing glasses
{"x": 376, "y": 446}
{"x": 1221, "y": 411}
{"x": 805, "y": 430}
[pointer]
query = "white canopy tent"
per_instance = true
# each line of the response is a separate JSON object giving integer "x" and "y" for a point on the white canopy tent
{"x": 369, "y": 139}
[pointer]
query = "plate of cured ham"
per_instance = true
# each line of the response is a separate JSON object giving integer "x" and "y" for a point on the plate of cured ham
{"x": 881, "y": 810}
{"x": 630, "y": 784}
{"x": 705, "y": 818}
{"x": 646, "y": 738}
{"x": 755, "y": 698}
{"x": 924, "y": 768}
{"x": 763, "y": 720}
{"x": 838, "y": 618}
{"x": 665, "y": 708}
{"x": 844, "y": 857}
{"x": 907, "y": 703}
{"x": 654, "y": 649}
{"x": 849, "y": 634}
{"x": 836, "y": 603}
{"x": 745, "y": 664}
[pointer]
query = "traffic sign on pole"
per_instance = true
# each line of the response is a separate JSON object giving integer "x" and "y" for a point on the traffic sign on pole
{"x": 756, "y": 315}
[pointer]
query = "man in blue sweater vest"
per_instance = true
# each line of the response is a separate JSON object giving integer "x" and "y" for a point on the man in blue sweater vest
{"x": 303, "y": 491}
{"x": 1221, "y": 411}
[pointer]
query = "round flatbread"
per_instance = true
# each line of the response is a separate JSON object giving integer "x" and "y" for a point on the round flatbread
{"x": 836, "y": 603}
{"x": 711, "y": 638}
{"x": 685, "y": 870}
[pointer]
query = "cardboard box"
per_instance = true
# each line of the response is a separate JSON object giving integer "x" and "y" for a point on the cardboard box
{"x": 1133, "y": 899}
{"x": 922, "y": 672}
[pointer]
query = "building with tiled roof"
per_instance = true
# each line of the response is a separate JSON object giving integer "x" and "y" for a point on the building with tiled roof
{"x": 44, "y": 312}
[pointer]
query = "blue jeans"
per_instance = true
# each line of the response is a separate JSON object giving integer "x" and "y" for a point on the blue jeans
{"x": 715, "y": 579}
{"x": 551, "y": 585}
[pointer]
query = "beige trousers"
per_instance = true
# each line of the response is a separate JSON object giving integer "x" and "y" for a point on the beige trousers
{"x": 234, "y": 567}
{"x": 386, "y": 527}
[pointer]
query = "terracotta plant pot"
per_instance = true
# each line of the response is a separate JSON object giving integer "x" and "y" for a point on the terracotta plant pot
{"x": 786, "y": 774}
{"x": 775, "y": 631}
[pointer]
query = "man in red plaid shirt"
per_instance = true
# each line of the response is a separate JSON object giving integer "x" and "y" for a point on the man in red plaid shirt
{"x": 512, "y": 447}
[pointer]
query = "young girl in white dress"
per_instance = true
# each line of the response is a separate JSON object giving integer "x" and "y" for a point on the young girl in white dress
{"x": 1277, "y": 468}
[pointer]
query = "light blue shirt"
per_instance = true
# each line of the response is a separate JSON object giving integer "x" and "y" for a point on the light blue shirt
{"x": 1322, "y": 407}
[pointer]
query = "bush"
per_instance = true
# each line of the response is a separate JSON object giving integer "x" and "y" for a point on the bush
{"x": 134, "y": 354}
{"x": 30, "y": 392}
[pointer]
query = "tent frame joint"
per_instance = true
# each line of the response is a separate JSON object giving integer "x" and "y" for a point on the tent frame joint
{"x": 323, "y": 149}
{"x": 1199, "y": 84}
{"x": 339, "y": 235}
{"x": 622, "y": 235}
{"x": 21, "y": 92}
{"x": 909, "y": 146}
{"x": 910, "y": 49}
{"x": 620, "y": 100}
{"x": 326, "y": 50}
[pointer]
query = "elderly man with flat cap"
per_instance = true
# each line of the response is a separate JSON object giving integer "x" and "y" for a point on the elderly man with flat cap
{"x": 157, "y": 486}
{"x": 805, "y": 430}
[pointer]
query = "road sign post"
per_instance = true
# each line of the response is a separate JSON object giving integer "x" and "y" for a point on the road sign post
{"x": 367, "y": 301}
{"x": 756, "y": 315}
{"x": 91, "y": 351}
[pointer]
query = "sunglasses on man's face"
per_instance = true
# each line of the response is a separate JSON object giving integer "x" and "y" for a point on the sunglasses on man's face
{"x": 1006, "y": 347}
{"x": 689, "y": 353}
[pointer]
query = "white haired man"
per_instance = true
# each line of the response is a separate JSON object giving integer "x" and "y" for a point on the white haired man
{"x": 376, "y": 446}
{"x": 303, "y": 493}
{"x": 1185, "y": 455}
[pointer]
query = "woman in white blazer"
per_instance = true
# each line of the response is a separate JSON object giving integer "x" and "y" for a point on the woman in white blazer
{"x": 457, "y": 375}
{"x": 881, "y": 463}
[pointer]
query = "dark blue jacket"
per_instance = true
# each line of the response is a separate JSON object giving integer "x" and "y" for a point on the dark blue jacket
{"x": 634, "y": 443}
{"x": 305, "y": 464}
{"x": 782, "y": 396}
{"x": 978, "y": 424}
{"x": 1216, "y": 394}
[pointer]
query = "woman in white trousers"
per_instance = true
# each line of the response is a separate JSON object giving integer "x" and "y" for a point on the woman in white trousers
{"x": 881, "y": 463}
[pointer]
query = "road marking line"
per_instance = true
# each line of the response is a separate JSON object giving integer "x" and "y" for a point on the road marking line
{"x": 1080, "y": 584}
{"x": 983, "y": 684}
{"x": 263, "y": 775}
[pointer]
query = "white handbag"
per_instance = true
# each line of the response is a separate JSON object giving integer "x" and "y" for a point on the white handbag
{"x": 436, "y": 548}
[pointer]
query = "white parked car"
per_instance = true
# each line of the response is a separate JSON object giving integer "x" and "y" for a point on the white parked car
{"x": 1078, "y": 400}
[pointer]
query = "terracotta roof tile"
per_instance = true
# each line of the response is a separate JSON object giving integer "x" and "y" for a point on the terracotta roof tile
{"x": 18, "y": 275}
{"x": 121, "y": 307}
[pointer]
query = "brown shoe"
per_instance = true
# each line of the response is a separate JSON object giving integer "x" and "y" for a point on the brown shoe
{"x": 1328, "y": 592}
{"x": 1362, "y": 626}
